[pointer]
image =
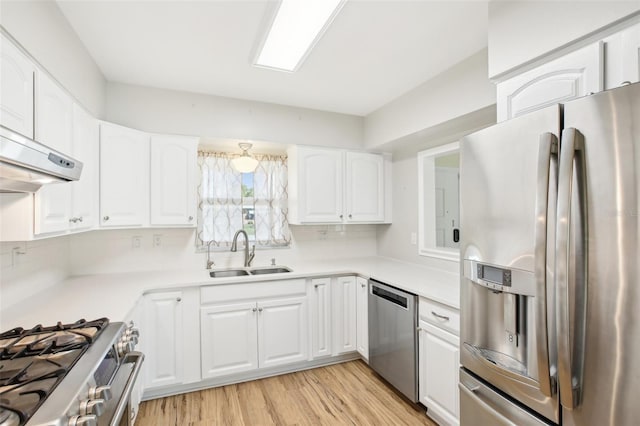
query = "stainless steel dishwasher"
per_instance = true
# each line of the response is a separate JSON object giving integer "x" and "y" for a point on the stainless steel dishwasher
{"x": 393, "y": 337}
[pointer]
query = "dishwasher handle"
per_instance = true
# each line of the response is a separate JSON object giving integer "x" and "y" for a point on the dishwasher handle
{"x": 390, "y": 296}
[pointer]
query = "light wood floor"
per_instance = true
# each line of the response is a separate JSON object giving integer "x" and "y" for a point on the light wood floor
{"x": 348, "y": 393}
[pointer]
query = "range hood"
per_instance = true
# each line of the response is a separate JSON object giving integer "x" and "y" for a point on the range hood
{"x": 26, "y": 165}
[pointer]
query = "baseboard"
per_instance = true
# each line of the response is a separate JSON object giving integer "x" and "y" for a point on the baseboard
{"x": 260, "y": 373}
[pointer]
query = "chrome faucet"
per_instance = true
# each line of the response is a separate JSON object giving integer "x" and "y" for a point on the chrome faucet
{"x": 209, "y": 261}
{"x": 248, "y": 258}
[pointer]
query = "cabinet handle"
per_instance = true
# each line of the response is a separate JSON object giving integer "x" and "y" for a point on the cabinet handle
{"x": 106, "y": 218}
{"x": 442, "y": 317}
{"x": 316, "y": 285}
{"x": 259, "y": 309}
{"x": 73, "y": 220}
{"x": 341, "y": 216}
{"x": 363, "y": 285}
{"x": 80, "y": 219}
{"x": 254, "y": 309}
{"x": 190, "y": 218}
{"x": 625, "y": 83}
{"x": 350, "y": 216}
{"x": 178, "y": 299}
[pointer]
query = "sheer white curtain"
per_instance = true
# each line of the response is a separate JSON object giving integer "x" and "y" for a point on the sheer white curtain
{"x": 220, "y": 208}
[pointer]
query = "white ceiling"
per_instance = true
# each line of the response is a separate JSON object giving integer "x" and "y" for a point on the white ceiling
{"x": 373, "y": 52}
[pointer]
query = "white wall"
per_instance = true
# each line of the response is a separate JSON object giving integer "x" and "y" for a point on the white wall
{"x": 521, "y": 31}
{"x": 40, "y": 265}
{"x": 395, "y": 240}
{"x": 44, "y": 32}
{"x": 112, "y": 251}
{"x": 169, "y": 111}
{"x": 458, "y": 91}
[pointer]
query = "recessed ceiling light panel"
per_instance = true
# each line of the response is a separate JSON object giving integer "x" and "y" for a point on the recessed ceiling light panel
{"x": 296, "y": 27}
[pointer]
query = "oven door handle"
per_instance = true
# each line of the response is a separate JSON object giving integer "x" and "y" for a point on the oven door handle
{"x": 137, "y": 358}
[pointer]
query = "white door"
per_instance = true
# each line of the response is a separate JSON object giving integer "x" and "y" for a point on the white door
{"x": 54, "y": 128}
{"x": 229, "y": 339}
{"x": 622, "y": 57}
{"x": 568, "y": 77}
{"x": 362, "y": 321}
{"x": 439, "y": 365}
{"x": 364, "y": 187}
{"x": 16, "y": 85}
{"x": 84, "y": 193}
{"x": 173, "y": 180}
{"x": 320, "y": 180}
{"x": 163, "y": 343}
{"x": 343, "y": 292}
{"x": 447, "y": 206}
{"x": 320, "y": 300}
{"x": 282, "y": 331}
{"x": 124, "y": 176}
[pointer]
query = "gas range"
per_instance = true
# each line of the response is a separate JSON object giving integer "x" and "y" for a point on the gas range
{"x": 68, "y": 374}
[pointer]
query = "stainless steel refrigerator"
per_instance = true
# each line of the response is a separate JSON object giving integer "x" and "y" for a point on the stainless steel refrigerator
{"x": 550, "y": 259}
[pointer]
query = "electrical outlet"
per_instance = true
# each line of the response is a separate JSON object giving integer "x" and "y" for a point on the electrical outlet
{"x": 157, "y": 240}
{"x": 136, "y": 242}
{"x": 414, "y": 238}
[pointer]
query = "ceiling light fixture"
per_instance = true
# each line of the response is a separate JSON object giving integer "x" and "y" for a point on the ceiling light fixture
{"x": 245, "y": 163}
{"x": 296, "y": 28}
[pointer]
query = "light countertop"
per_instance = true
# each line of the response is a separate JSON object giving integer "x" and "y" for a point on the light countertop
{"x": 114, "y": 295}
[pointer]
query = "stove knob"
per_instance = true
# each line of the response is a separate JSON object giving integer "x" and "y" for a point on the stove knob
{"x": 124, "y": 348}
{"x": 132, "y": 332}
{"x": 92, "y": 406}
{"x": 100, "y": 392}
{"x": 86, "y": 420}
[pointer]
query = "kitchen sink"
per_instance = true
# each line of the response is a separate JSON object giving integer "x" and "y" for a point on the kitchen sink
{"x": 260, "y": 271}
{"x": 227, "y": 273}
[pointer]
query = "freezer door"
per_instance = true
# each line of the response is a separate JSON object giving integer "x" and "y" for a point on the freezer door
{"x": 482, "y": 406}
{"x": 508, "y": 192}
{"x": 599, "y": 298}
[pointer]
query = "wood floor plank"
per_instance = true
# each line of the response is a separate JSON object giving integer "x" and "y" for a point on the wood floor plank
{"x": 343, "y": 394}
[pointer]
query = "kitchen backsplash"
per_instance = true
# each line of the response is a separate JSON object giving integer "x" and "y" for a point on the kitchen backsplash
{"x": 164, "y": 249}
{"x": 26, "y": 268}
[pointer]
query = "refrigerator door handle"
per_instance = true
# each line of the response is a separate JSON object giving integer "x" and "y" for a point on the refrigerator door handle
{"x": 570, "y": 348}
{"x": 548, "y": 144}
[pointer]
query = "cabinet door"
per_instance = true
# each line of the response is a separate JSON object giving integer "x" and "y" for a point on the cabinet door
{"x": 320, "y": 300}
{"x": 173, "y": 180}
{"x": 365, "y": 187}
{"x": 568, "y": 77}
{"x": 16, "y": 85}
{"x": 54, "y": 128}
{"x": 163, "y": 343}
{"x": 439, "y": 367}
{"x": 320, "y": 190}
{"x": 229, "y": 339}
{"x": 362, "y": 322}
{"x": 84, "y": 193}
{"x": 622, "y": 57}
{"x": 344, "y": 314}
{"x": 282, "y": 331}
{"x": 124, "y": 176}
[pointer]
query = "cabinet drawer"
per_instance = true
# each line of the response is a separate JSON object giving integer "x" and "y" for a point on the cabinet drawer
{"x": 440, "y": 315}
{"x": 252, "y": 291}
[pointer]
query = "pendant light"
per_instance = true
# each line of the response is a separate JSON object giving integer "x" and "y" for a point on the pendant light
{"x": 245, "y": 163}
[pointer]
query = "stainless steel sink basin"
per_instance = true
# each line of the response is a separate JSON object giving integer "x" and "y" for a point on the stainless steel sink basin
{"x": 260, "y": 271}
{"x": 226, "y": 273}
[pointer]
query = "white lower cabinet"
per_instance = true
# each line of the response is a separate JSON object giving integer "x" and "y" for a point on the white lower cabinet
{"x": 362, "y": 321}
{"x": 439, "y": 365}
{"x": 238, "y": 337}
{"x": 171, "y": 338}
{"x": 319, "y": 292}
{"x": 343, "y": 293}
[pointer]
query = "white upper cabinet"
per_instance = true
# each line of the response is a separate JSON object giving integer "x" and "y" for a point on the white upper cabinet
{"x": 173, "y": 180}
{"x": 571, "y": 76}
{"x": 316, "y": 185}
{"x": 334, "y": 186}
{"x": 365, "y": 187}
{"x": 622, "y": 57}
{"x": 84, "y": 193}
{"x": 54, "y": 128}
{"x": 16, "y": 89}
{"x": 124, "y": 176}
